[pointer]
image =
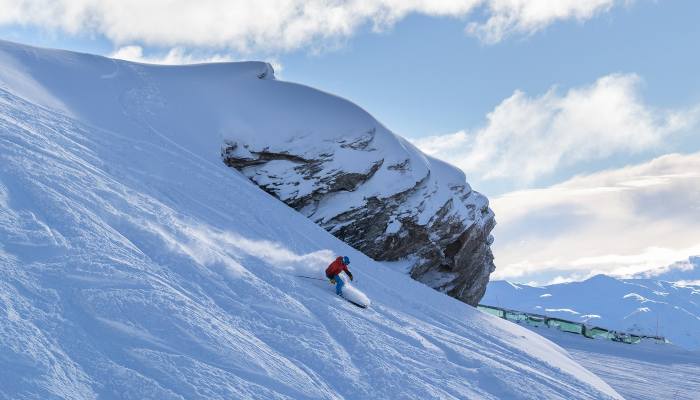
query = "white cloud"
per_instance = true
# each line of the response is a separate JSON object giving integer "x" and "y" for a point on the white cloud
{"x": 175, "y": 56}
{"x": 275, "y": 25}
{"x": 619, "y": 222}
{"x": 528, "y": 137}
{"x": 507, "y": 17}
{"x": 180, "y": 56}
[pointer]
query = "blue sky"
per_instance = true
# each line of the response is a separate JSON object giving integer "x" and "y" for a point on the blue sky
{"x": 425, "y": 76}
{"x": 558, "y": 96}
{"x": 454, "y": 80}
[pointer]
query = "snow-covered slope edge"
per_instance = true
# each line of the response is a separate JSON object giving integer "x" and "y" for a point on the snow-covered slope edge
{"x": 136, "y": 265}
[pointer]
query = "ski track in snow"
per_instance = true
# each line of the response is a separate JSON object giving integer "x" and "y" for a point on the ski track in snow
{"x": 135, "y": 267}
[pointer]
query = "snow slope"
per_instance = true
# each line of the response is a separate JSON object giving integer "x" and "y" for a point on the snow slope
{"x": 208, "y": 107}
{"x": 135, "y": 264}
{"x": 645, "y": 306}
{"x": 645, "y": 371}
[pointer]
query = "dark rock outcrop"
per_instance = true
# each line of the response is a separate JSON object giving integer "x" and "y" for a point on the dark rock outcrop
{"x": 396, "y": 205}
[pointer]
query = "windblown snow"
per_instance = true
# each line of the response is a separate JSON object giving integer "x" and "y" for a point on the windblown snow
{"x": 136, "y": 265}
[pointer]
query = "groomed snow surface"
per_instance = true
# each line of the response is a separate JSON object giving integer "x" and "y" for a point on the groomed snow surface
{"x": 135, "y": 265}
{"x": 645, "y": 371}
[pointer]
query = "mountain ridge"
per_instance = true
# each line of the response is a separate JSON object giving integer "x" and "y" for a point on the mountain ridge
{"x": 642, "y": 305}
{"x": 389, "y": 200}
{"x": 137, "y": 265}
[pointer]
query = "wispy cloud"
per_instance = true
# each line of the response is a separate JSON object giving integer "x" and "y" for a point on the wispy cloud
{"x": 280, "y": 25}
{"x": 508, "y": 17}
{"x": 620, "y": 222}
{"x": 175, "y": 56}
{"x": 527, "y": 137}
{"x": 180, "y": 56}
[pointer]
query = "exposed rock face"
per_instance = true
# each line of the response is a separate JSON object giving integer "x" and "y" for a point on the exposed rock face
{"x": 381, "y": 195}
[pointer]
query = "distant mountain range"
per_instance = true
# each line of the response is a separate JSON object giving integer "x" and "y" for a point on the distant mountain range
{"x": 666, "y": 304}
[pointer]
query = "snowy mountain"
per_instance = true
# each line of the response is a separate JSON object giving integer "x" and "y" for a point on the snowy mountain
{"x": 370, "y": 188}
{"x": 645, "y": 306}
{"x": 320, "y": 154}
{"x": 136, "y": 265}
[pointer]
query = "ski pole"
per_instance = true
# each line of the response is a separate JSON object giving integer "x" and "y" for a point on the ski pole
{"x": 309, "y": 277}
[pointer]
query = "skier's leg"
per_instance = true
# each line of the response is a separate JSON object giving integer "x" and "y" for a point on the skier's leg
{"x": 339, "y": 285}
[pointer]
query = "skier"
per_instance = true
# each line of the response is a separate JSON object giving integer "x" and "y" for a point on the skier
{"x": 333, "y": 273}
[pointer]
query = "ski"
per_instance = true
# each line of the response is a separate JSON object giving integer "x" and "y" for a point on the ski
{"x": 352, "y": 302}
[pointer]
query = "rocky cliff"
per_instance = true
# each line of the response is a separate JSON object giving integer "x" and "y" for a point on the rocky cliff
{"x": 380, "y": 194}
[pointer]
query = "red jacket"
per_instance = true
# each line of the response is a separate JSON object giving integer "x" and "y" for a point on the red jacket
{"x": 337, "y": 267}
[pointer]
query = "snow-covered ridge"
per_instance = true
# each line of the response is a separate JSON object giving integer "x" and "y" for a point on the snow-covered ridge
{"x": 321, "y": 154}
{"x": 136, "y": 265}
{"x": 340, "y": 167}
